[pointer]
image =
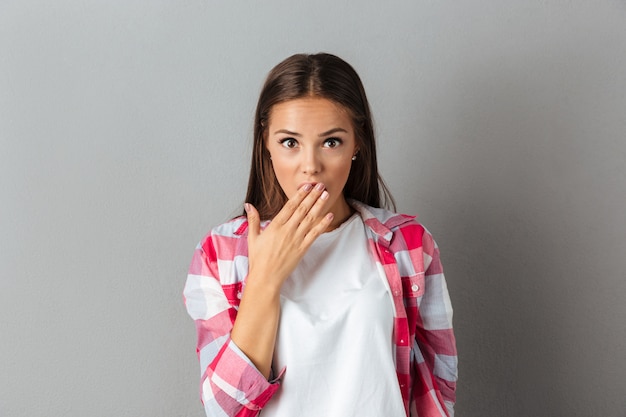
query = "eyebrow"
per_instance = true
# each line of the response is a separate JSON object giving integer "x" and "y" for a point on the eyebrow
{"x": 328, "y": 132}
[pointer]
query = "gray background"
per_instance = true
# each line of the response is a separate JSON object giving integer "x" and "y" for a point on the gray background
{"x": 125, "y": 132}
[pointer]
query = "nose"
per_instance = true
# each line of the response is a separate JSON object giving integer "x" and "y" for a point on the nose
{"x": 310, "y": 163}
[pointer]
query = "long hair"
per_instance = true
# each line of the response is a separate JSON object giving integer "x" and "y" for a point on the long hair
{"x": 325, "y": 76}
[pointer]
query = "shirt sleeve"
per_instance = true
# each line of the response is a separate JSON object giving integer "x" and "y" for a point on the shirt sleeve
{"x": 434, "y": 331}
{"x": 230, "y": 384}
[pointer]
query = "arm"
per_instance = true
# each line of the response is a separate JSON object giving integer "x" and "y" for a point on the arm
{"x": 236, "y": 346}
{"x": 230, "y": 383}
{"x": 434, "y": 331}
{"x": 273, "y": 255}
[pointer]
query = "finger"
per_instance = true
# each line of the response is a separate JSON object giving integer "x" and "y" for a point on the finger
{"x": 319, "y": 204}
{"x": 307, "y": 203}
{"x": 319, "y": 228}
{"x": 314, "y": 214}
{"x": 292, "y": 204}
{"x": 254, "y": 221}
{"x": 311, "y": 207}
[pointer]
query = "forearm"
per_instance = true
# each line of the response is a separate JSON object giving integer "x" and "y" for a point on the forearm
{"x": 273, "y": 255}
{"x": 256, "y": 325}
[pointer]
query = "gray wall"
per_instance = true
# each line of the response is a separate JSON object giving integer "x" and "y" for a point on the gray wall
{"x": 125, "y": 133}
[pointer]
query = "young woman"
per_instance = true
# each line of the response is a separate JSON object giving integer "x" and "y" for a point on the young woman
{"x": 318, "y": 301}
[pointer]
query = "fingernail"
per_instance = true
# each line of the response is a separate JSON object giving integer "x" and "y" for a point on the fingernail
{"x": 324, "y": 195}
{"x": 307, "y": 187}
{"x": 319, "y": 186}
{"x": 246, "y": 207}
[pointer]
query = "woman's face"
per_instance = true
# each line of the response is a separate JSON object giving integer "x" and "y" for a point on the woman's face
{"x": 311, "y": 140}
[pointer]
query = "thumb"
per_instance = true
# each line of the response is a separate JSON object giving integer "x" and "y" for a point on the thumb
{"x": 254, "y": 221}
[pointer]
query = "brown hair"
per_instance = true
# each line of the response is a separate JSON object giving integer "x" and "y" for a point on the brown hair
{"x": 325, "y": 76}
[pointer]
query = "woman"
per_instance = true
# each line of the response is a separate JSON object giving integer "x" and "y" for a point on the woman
{"x": 317, "y": 301}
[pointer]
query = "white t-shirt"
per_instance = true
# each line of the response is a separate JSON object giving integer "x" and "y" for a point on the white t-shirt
{"x": 335, "y": 333}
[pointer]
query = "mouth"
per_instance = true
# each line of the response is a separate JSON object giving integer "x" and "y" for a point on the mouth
{"x": 305, "y": 183}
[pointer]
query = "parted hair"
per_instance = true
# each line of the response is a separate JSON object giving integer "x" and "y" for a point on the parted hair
{"x": 325, "y": 76}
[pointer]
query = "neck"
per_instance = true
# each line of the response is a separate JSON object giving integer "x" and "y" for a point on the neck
{"x": 342, "y": 213}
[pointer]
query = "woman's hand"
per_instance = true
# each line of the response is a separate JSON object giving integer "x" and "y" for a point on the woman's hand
{"x": 275, "y": 252}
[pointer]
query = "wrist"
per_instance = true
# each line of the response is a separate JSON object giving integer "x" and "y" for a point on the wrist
{"x": 262, "y": 288}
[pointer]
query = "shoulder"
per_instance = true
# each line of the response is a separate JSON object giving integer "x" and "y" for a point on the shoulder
{"x": 401, "y": 231}
{"x": 384, "y": 221}
{"x": 234, "y": 228}
{"x": 225, "y": 241}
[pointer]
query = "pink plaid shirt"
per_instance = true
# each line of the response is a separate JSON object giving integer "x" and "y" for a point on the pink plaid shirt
{"x": 425, "y": 348}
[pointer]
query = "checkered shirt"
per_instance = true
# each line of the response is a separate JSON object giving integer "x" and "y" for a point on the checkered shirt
{"x": 424, "y": 343}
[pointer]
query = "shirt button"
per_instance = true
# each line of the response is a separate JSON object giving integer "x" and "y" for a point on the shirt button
{"x": 415, "y": 287}
{"x": 239, "y": 295}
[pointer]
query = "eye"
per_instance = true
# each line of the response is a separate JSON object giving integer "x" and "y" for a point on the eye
{"x": 332, "y": 142}
{"x": 288, "y": 143}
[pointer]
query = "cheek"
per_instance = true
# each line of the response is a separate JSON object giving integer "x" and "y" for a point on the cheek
{"x": 347, "y": 165}
{"x": 282, "y": 166}
{"x": 341, "y": 173}
{"x": 284, "y": 175}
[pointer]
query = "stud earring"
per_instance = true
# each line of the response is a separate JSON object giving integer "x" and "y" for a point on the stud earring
{"x": 354, "y": 158}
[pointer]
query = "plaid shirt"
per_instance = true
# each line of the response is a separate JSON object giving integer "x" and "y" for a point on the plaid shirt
{"x": 424, "y": 344}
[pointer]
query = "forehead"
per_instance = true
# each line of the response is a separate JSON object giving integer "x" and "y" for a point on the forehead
{"x": 309, "y": 111}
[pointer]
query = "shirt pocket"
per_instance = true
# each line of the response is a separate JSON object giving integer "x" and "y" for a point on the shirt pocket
{"x": 414, "y": 285}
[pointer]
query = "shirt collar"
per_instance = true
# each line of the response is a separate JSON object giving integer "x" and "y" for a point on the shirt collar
{"x": 379, "y": 221}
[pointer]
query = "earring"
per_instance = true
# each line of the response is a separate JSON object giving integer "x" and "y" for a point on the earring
{"x": 354, "y": 158}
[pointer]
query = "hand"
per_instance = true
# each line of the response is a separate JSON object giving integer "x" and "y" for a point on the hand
{"x": 274, "y": 253}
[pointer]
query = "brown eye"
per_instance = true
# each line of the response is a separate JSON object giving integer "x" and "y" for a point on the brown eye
{"x": 332, "y": 142}
{"x": 289, "y": 143}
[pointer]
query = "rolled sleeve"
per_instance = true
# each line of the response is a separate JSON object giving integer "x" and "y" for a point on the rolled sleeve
{"x": 232, "y": 382}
